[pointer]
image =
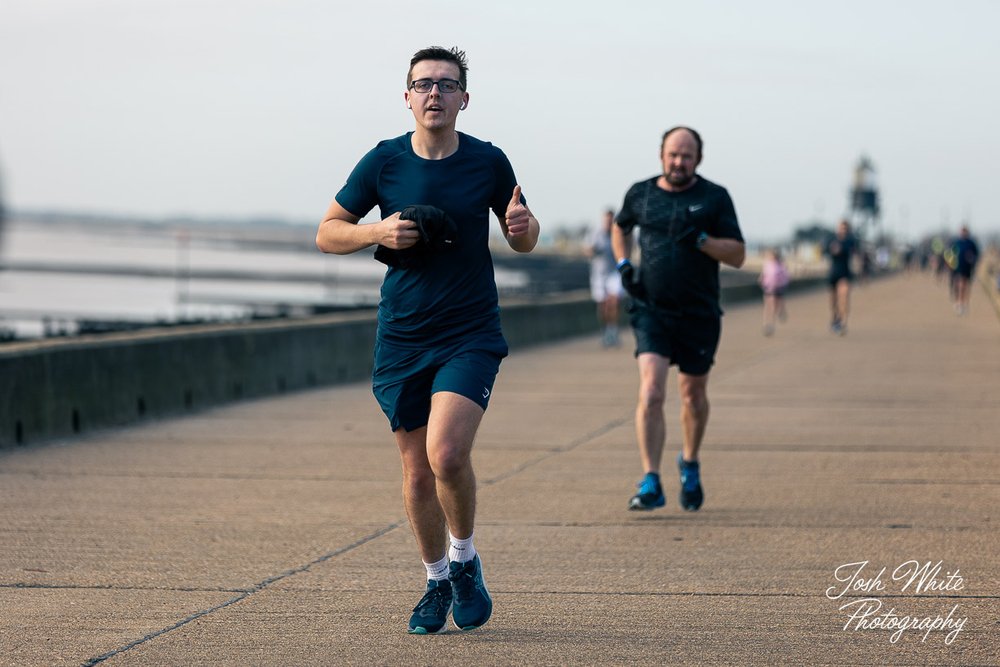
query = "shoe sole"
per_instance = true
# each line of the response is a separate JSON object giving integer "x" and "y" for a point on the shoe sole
{"x": 637, "y": 506}
{"x": 473, "y": 627}
{"x": 421, "y": 630}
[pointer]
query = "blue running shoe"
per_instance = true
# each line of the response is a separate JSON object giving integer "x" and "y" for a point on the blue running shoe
{"x": 691, "y": 494}
{"x": 473, "y": 604}
{"x": 431, "y": 613}
{"x": 650, "y": 494}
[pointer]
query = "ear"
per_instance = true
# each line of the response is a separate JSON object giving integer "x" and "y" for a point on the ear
{"x": 465, "y": 101}
{"x": 406, "y": 98}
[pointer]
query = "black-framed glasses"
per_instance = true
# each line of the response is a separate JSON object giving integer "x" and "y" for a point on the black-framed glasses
{"x": 444, "y": 85}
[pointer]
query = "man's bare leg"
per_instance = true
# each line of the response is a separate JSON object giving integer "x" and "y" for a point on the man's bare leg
{"x": 694, "y": 420}
{"x": 651, "y": 429}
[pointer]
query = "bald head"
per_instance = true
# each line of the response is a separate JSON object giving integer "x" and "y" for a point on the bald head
{"x": 683, "y": 130}
{"x": 680, "y": 153}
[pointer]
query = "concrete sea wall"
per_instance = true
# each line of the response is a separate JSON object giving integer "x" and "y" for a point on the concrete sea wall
{"x": 63, "y": 387}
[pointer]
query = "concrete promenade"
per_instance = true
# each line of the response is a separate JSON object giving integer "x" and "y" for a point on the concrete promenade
{"x": 271, "y": 532}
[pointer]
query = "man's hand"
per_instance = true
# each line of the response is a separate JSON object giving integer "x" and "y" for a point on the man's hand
{"x": 692, "y": 236}
{"x": 517, "y": 218}
{"x": 398, "y": 234}
{"x": 629, "y": 280}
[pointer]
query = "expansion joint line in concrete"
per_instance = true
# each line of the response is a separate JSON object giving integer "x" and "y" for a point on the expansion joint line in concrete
{"x": 583, "y": 439}
{"x": 113, "y": 587}
{"x": 587, "y": 437}
{"x": 259, "y": 586}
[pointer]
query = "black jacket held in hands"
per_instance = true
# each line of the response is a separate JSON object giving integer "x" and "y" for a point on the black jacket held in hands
{"x": 437, "y": 232}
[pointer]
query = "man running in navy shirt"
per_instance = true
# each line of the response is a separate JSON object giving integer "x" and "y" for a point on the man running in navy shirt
{"x": 966, "y": 255}
{"x": 841, "y": 248}
{"x": 439, "y": 344}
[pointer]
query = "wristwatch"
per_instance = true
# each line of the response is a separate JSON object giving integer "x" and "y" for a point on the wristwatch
{"x": 700, "y": 241}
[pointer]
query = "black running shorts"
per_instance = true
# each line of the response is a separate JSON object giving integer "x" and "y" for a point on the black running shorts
{"x": 688, "y": 342}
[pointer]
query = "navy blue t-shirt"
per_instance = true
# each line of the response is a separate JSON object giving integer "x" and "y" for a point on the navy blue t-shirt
{"x": 966, "y": 254}
{"x": 454, "y": 293}
{"x": 841, "y": 250}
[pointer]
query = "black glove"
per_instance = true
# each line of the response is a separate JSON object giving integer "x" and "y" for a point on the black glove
{"x": 630, "y": 280}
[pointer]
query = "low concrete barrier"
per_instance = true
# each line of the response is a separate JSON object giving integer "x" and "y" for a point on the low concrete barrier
{"x": 63, "y": 387}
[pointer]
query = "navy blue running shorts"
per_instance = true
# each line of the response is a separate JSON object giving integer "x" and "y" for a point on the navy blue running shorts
{"x": 404, "y": 378}
{"x": 688, "y": 342}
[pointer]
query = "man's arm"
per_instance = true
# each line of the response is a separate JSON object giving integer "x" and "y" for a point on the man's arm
{"x": 340, "y": 233}
{"x": 727, "y": 251}
{"x": 519, "y": 226}
{"x": 621, "y": 243}
{"x": 728, "y": 247}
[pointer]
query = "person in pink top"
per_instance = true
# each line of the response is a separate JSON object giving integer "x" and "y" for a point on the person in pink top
{"x": 773, "y": 281}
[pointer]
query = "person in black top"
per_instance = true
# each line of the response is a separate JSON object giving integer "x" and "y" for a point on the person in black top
{"x": 688, "y": 226}
{"x": 841, "y": 248}
{"x": 966, "y": 255}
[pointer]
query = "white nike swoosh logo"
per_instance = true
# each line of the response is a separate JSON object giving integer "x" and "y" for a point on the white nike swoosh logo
{"x": 486, "y": 392}
{"x": 696, "y": 207}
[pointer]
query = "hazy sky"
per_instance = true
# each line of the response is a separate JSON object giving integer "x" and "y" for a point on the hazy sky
{"x": 262, "y": 107}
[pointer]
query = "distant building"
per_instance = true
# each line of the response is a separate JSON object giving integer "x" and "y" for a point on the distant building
{"x": 863, "y": 198}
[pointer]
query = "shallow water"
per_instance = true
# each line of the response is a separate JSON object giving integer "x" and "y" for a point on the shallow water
{"x": 59, "y": 274}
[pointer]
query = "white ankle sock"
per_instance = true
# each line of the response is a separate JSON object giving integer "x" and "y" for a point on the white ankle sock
{"x": 461, "y": 551}
{"x": 437, "y": 571}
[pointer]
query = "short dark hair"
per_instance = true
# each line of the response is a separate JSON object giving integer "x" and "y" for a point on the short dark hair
{"x": 452, "y": 55}
{"x": 697, "y": 137}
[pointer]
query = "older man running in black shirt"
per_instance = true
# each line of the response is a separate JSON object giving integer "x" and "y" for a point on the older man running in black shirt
{"x": 688, "y": 226}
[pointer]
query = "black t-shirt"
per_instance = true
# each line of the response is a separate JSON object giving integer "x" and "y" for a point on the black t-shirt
{"x": 841, "y": 250}
{"x": 678, "y": 276}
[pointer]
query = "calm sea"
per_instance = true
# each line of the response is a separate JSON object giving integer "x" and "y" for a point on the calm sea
{"x": 57, "y": 275}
